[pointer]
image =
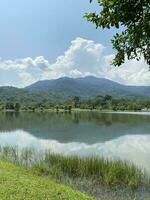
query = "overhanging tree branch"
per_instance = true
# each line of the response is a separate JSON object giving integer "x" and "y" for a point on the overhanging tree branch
{"x": 134, "y": 16}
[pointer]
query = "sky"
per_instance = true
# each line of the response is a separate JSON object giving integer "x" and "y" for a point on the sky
{"x": 45, "y": 39}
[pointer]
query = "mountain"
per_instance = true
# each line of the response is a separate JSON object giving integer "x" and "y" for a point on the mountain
{"x": 87, "y": 87}
{"x": 53, "y": 91}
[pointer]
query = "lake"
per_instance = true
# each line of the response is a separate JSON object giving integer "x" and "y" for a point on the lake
{"x": 114, "y": 135}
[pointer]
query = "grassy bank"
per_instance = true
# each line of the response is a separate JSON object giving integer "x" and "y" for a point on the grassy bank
{"x": 17, "y": 183}
{"x": 95, "y": 176}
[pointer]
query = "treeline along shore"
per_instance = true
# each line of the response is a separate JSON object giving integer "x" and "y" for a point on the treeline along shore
{"x": 77, "y": 103}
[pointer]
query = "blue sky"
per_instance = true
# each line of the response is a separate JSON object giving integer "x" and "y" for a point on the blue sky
{"x": 45, "y": 27}
{"x": 44, "y": 39}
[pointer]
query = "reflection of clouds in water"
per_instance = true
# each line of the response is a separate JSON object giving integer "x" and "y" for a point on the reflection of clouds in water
{"x": 135, "y": 148}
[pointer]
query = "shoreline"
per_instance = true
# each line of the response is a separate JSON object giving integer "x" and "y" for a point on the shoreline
{"x": 93, "y": 176}
{"x": 74, "y": 110}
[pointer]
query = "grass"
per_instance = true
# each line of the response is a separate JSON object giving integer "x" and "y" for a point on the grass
{"x": 17, "y": 183}
{"x": 108, "y": 173}
{"x": 96, "y": 176}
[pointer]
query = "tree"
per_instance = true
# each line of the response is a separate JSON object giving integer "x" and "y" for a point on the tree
{"x": 9, "y": 106}
{"x": 57, "y": 108}
{"x": 76, "y": 101}
{"x": 69, "y": 108}
{"x": 108, "y": 98}
{"x": 134, "y": 16}
{"x": 65, "y": 108}
{"x": 17, "y": 107}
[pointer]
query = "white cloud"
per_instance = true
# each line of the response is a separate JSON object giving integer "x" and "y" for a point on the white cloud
{"x": 83, "y": 57}
{"x": 131, "y": 73}
{"x": 22, "y": 72}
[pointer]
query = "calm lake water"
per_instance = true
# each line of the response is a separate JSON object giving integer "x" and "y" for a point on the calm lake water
{"x": 113, "y": 135}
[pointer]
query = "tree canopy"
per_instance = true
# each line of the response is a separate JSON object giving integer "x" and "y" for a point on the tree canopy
{"x": 134, "y": 16}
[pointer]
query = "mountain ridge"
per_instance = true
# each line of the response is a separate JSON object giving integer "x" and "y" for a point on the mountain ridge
{"x": 89, "y": 86}
{"x": 65, "y": 88}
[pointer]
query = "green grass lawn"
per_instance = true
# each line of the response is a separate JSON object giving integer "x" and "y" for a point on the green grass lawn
{"x": 19, "y": 184}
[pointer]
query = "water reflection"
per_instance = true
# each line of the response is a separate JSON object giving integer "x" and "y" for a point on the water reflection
{"x": 89, "y": 128}
{"x": 135, "y": 148}
{"x": 123, "y": 136}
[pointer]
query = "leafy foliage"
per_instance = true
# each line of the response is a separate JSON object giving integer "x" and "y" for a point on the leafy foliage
{"x": 134, "y": 17}
{"x": 108, "y": 103}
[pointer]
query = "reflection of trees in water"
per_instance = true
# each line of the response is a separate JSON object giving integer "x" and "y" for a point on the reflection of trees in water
{"x": 8, "y": 121}
{"x": 87, "y": 127}
{"x": 97, "y": 118}
{"x": 129, "y": 119}
{"x": 11, "y": 115}
{"x": 75, "y": 118}
{"x": 12, "y": 121}
{"x": 109, "y": 118}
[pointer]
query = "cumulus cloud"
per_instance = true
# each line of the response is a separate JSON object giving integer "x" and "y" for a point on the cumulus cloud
{"x": 83, "y": 57}
{"x": 22, "y": 72}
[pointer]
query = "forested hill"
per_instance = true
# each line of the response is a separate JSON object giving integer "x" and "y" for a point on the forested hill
{"x": 87, "y": 87}
{"x": 66, "y": 88}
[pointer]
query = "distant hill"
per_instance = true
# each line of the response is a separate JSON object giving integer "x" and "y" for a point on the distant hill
{"x": 9, "y": 93}
{"x": 88, "y": 87}
{"x": 12, "y": 94}
{"x": 64, "y": 88}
